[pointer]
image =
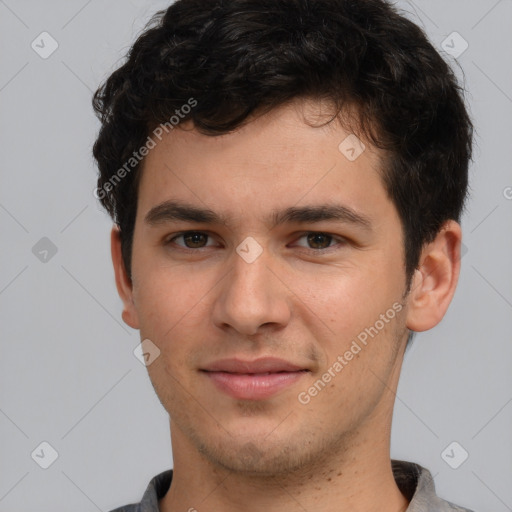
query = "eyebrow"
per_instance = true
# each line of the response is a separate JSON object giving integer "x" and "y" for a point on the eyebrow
{"x": 171, "y": 211}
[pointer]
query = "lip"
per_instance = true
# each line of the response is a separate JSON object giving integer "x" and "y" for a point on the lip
{"x": 253, "y": 380}
{"x": 260, "y": 365}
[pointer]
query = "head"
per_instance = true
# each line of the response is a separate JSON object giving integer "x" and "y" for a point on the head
{"x": 240, "y": 109}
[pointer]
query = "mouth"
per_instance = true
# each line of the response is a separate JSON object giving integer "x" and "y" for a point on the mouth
{"x": 253, "y": 380}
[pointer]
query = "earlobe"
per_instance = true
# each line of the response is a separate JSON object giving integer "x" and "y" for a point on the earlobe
{"x": 435, "y": 280}
{"x": 123, "y": 283}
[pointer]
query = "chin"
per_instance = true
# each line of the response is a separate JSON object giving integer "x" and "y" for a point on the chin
{"x": 250, "y": 460}
{"x": 267, "y": 458}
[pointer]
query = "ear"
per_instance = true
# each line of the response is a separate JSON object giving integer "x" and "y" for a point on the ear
{"x": 123, "y": 282}
{"x": 435, "y": 279}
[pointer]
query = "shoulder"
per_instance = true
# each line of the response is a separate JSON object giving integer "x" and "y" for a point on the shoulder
{"x": 417, "y": 485}
{"x": 156, "y": 490}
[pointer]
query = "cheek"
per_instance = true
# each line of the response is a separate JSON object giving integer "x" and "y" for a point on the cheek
{"x": 349, "y": 300}
{"x": 366, "y": 324}
{"x": 166, "y": 301}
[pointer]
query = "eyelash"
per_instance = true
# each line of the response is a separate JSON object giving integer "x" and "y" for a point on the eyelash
{"x": 340, "y": 240}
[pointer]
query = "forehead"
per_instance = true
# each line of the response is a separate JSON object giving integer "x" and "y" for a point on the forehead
{"x": 286, "y": 157}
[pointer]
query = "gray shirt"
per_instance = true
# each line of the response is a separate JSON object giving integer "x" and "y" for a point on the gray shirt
{"x": 414, "y": 481}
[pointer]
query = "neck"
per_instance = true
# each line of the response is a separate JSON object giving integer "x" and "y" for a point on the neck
{"x": 357, "y": 479}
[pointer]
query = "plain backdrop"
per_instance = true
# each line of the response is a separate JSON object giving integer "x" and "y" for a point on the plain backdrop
{"x": 68, "y": 374}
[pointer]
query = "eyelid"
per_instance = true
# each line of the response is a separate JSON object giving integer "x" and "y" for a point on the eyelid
{"x": 335, "y": 238}
{"x": 170, "y": 239}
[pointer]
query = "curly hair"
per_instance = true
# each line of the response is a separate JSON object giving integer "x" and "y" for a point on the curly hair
{"x": 238, "y": 58}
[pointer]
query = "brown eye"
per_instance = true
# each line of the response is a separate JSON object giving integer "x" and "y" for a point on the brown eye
{"x": 191, "y": 240}
{"x": 195, "y": 240}
{"x": 319, "y": 240}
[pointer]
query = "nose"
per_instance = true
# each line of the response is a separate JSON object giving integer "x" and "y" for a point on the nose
{"x": 252, "y": 297}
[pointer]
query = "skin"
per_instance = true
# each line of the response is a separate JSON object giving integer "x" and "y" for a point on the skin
{"x": 298, "y": 301}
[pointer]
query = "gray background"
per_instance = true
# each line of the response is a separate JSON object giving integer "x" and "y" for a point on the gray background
{"x": 68, "y": 373}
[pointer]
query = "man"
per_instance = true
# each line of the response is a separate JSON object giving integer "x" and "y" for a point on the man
{"x": 286, "y": 180}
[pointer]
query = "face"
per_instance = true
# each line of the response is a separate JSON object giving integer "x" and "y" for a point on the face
{"x": 268, "y": 269}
